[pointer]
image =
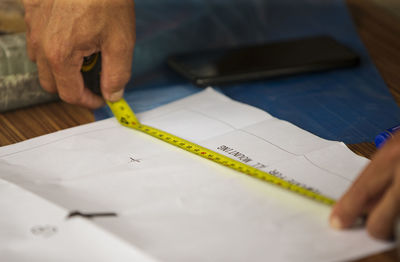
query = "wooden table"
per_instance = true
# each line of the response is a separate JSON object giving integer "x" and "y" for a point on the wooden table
{"x": 378, "y": 25}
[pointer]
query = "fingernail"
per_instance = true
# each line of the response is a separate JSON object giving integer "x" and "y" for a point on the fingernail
{"x": 116, "y": 95}
{"x": 336, "y": 223}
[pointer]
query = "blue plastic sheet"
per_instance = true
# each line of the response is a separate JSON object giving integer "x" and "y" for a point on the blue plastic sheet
{"x": 351, "y": 105}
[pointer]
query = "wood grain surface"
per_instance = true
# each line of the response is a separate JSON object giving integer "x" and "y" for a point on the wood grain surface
{"x": 378, "y": 25}
{"x": 22, "y": 124}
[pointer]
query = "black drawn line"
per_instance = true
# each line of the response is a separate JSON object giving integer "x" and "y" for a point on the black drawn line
{"x": 91, "y": 215}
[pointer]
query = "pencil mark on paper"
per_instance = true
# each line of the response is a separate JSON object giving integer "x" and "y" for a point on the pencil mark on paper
{"x": 45, "y": 231}
{"x": 134, "y": 160}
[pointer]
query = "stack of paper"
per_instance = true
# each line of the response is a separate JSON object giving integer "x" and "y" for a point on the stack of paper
{"x": 172, "y": 205}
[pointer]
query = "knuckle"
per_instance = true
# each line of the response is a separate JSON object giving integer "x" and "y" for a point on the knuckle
{"x": 55, "y": 57}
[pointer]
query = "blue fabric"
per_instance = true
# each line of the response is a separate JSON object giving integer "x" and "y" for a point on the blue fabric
{"x": 351, "y": 105}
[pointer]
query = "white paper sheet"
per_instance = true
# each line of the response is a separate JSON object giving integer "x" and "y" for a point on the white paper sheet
{"x": 172, "y": 205}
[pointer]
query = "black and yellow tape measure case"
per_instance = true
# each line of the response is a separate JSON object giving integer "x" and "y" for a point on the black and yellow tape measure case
{"x": 91, "y": 70}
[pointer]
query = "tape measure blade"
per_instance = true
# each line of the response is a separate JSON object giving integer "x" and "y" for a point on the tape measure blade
{"x": 231, "y": 163}
{"x": 126, "y": 117}
{"x": 124, "y": 114}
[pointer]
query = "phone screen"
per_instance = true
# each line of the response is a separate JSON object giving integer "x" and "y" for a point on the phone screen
{"x": 223, "y": 66}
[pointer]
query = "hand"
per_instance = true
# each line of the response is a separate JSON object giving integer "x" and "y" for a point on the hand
{"x": 375, "y": 193}
{"x": 61, "y": 32}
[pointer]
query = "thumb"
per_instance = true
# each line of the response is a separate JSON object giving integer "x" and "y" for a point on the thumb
{"x": 116, "y": 70}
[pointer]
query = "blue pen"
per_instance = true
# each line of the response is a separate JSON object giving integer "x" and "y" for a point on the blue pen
{"x": 384, "y": 136}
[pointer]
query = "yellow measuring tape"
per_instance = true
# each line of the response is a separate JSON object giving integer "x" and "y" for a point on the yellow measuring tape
{"x": 91, "y": 72}
{"x": 126, "y": 117}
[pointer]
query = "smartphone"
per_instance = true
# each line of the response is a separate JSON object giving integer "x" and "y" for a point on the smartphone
{"x": 277, "y": 59}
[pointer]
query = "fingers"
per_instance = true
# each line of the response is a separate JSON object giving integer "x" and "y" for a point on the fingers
{"x": 69, "y": 81}
{"x": 363, "y": 194}
{"x": 61, "y": 72}
{"x": 61, "y": 33}
{"x": 382, "y": 219}
{"x": 117, "y": 52}
{"x": 90, "y": 100}
{"x": 376, "y": 192}
{"x": 116, "y": 67}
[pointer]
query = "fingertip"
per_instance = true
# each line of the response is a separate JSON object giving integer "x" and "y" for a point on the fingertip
{"x": 335, "y": 222}
{"x": 342, "y": 215}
